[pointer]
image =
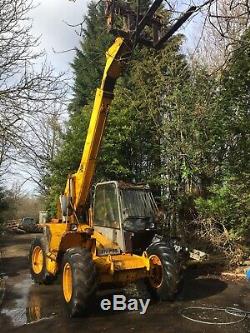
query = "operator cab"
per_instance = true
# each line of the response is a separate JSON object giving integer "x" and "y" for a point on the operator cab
{"x": 126, "y": 214}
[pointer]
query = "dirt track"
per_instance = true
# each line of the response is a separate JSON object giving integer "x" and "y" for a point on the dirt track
{"x": 28, "y": 307}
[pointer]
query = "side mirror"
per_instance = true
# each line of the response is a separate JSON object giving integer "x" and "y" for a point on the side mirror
{"x": 65, "y": 202}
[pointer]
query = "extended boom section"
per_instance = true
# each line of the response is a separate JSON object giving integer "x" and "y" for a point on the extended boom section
{"x": 78, "y": 184}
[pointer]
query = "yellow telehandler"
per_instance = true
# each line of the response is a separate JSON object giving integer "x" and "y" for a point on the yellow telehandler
{"x": 113, "y": 240}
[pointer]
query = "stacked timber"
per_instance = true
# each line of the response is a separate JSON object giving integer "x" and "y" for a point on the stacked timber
{"x": 17, "y": 227}
{"x": 13, "y": 226}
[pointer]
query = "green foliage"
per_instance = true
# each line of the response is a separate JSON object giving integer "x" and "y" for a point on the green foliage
{"x": 228, "y": 198}
{"x": 171, "y": 124}
{"x": 131, "y": 147}
{"x": 235, "y": 102}
{"x": 229, "y": 204}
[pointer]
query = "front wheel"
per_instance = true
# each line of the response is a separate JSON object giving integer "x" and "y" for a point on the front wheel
{"x": 164, "y": 278}
{"x": 78, "y": 281}
{"x": 37, "y": 261}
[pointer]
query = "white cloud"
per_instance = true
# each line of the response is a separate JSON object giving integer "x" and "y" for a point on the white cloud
{"x": 48, "y": 21}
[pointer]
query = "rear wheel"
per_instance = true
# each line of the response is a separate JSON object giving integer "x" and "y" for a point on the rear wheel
{"x": 78, "y": 281}
{"x": 37, "y": 259}
{"x": 164, "y": 279}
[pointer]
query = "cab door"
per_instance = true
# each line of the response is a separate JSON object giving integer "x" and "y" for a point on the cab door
{"x": 107, "y": 212}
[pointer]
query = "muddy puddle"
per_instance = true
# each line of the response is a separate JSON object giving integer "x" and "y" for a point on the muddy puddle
{"x": 25, "y": 303}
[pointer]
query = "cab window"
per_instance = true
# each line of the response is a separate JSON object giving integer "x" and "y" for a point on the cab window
{"x": 106, "y": 209}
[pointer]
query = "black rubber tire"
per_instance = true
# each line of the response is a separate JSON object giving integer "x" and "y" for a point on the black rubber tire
{"x": 44, "y": 277}
{"x": 171, "y": 272}
{"x": 84, "y": 282}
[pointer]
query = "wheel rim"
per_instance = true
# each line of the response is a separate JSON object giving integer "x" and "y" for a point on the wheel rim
{"x": 67, "y": 282}
{"x": 37, "y": 260}
{"x": 156, "y": 271}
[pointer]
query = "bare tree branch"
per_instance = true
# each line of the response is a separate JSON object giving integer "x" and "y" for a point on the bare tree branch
{"x": 28, "y": 85}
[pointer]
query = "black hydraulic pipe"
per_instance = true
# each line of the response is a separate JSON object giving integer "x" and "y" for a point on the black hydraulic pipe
{"x": 146, "y": 18}
{"x": 175, "y": 27}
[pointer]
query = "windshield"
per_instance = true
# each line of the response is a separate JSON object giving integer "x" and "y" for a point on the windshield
{"x": 138, "y": 203}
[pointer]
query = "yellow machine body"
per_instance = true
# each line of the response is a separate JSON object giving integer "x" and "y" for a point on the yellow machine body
{"x": 113, "y": 241}
{"x": 115, "y": 266}
{"x": 112, "y": 268}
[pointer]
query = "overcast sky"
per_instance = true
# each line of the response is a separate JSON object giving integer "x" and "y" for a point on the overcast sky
{"x": 48, "y": 21}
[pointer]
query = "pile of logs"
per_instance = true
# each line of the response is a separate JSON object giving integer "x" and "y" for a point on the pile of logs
{"x": 15, "y": 226}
